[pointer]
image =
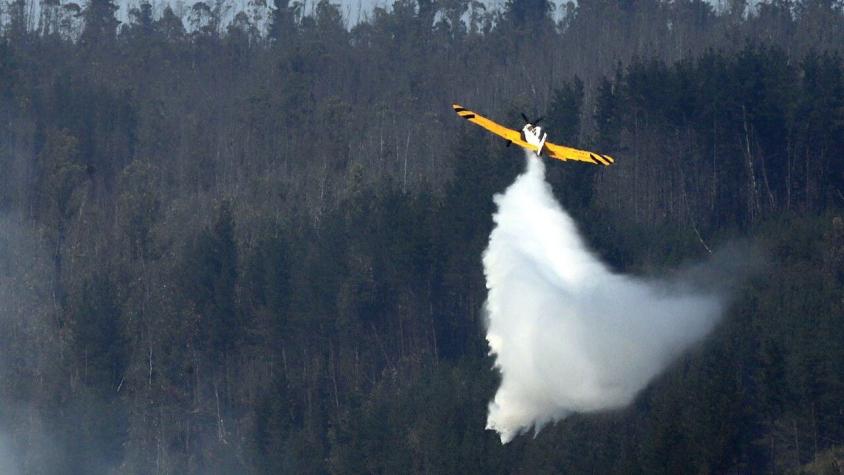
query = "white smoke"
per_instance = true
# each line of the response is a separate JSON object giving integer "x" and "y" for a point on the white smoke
{"x": 8, "y": 465}
{"x": 568, "y": 335}
{"x": 26, "y": 346}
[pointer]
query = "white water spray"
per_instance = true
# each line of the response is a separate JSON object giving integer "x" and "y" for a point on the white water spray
{"x": 567, "y": 334}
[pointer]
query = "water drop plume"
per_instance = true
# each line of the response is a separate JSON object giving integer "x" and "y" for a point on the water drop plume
{"x": 569, "y": 335}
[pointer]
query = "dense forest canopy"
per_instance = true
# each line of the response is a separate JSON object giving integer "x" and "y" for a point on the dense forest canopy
{"x": 224, "y": 250}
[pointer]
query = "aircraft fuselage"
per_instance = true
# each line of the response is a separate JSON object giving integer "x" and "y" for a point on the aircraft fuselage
{"x": 533, "y": 135}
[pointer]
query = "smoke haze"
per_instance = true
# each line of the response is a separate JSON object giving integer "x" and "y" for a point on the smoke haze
{"x": 568, "y": 335}
{"x": 26, "y": 350}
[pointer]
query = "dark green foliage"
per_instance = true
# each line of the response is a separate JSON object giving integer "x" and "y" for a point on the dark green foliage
{"x": 730, "y": 130}
{"x": 528, "y": 14}
{"x": 267, "y": 280}
{"x": 210, "y": 273}
{"x": 572, "y": 185}
{"x": 262, "y": 254}
{"x": 95, "y": 423}
{"x": 565, "y": 111}
{"x": 608, "y": 113}
{"x": 282, "y": 22}
{"x": 100, "y": 24}
{"x": 97, "y": 334}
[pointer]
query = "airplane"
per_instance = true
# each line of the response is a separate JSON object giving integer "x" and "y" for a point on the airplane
{"x": 533, "y": 138}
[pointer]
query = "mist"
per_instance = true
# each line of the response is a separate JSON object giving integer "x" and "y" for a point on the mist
{"x": 28, "y": 350}
{"x": 569, "y": 335}
{"x": 8, "y": 464}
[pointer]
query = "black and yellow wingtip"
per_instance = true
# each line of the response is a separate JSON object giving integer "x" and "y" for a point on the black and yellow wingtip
{"x": 462, "y": 111}
{"x": 604, "y": 160}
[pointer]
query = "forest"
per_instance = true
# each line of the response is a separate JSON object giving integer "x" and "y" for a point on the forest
{"x": 250, "y": 242}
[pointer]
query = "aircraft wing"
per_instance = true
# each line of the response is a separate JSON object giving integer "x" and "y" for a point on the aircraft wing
{"x": 561, "y": 152}
{"x": 509, "y": 135}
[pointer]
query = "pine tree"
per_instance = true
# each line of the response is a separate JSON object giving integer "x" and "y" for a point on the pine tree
{"x": 100, "y": 24}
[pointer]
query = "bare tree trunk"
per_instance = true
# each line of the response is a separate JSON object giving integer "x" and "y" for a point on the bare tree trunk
{"x": 807, "y": 191}
{"x": 159, "y": 446}
{"x": 814, "y": 434}
{"x": 333, "y": 362}
{"x": 753, "y": 200}
{"x": 187, "y": 441}
{"x": 788, "y": 163}
{"x": 772, "y": 452}
{"x": 433, "y": 331}
{"x": 284, "y": 362}
{"x": 149, "y": 378}
{"x": 689, "y": 211}
{"x": 714, "y": 197}
{"x": 771, "y": 201}
{"x": 404, "y": 173}
{"x": 383, "y": 349}
{"x": 221, "y": 428}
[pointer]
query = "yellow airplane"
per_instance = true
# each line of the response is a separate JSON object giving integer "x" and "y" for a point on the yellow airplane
{"x": 532, "y": 138}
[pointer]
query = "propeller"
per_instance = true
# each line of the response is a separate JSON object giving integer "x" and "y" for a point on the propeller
{"x": 537, "y": 121}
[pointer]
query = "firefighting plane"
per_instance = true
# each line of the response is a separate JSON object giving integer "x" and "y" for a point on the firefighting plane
{"x": 532, "y": 137}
